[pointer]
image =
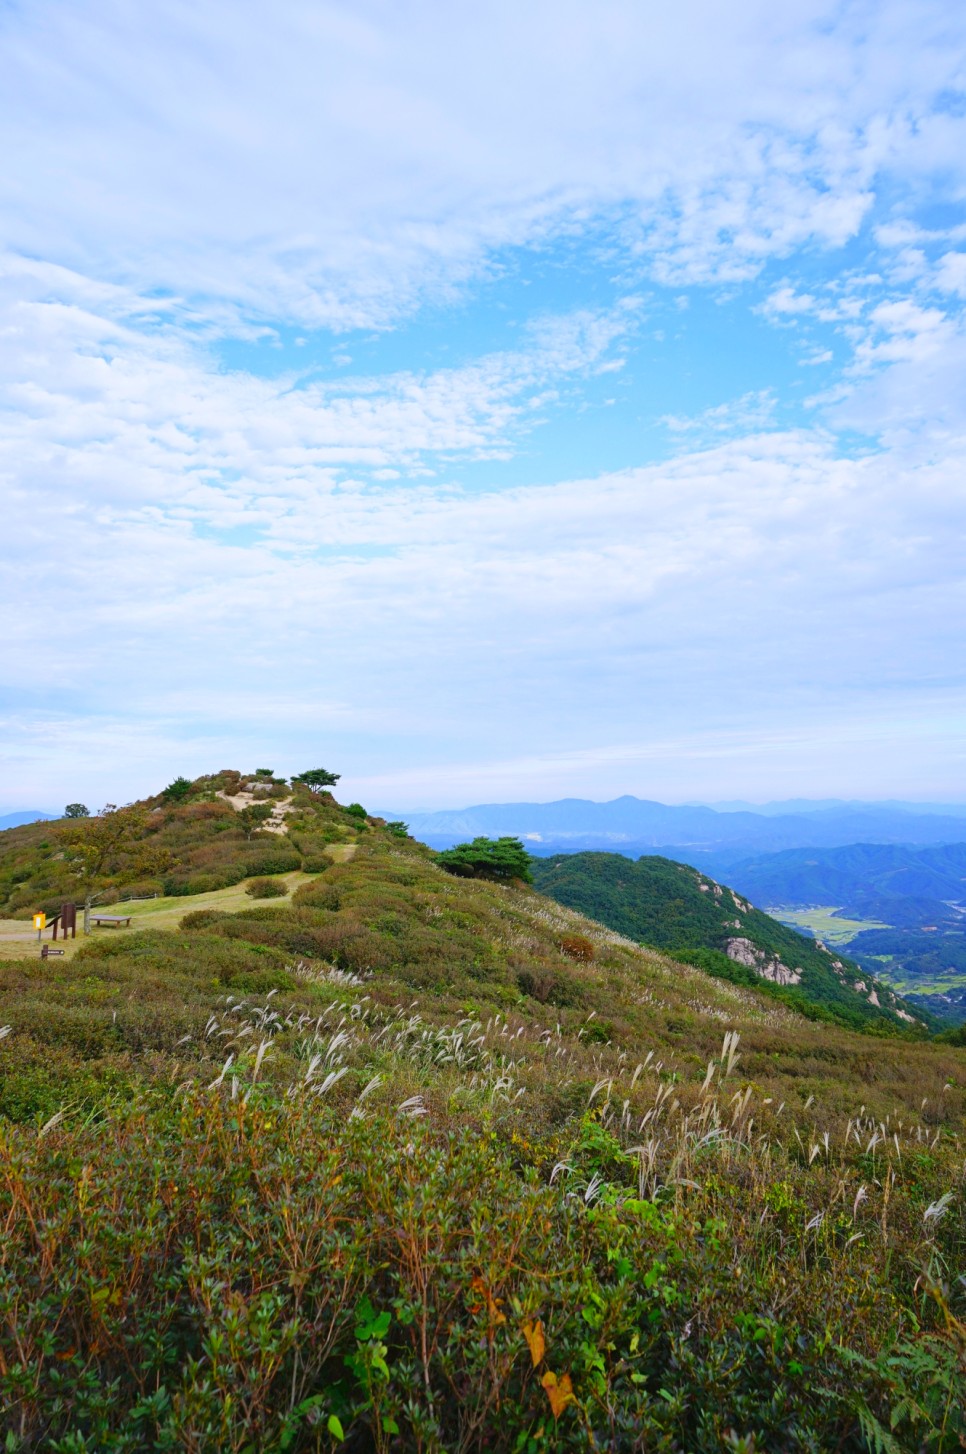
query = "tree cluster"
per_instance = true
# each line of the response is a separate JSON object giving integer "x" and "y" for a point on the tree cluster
{"x": 499, "y": 859}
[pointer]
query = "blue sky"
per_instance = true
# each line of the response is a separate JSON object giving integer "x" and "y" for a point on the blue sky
{"x": 487, "y": 403}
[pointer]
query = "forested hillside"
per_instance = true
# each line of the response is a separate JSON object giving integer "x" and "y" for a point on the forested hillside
{"x": 905, "y": 886}
{"x": 671, "y": 906}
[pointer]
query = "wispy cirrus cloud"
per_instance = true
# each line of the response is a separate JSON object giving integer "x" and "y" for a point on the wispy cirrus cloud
{"x": 340, "y": 165}
{"x": 750, "y": 413}
{"x": 105, "y": 415}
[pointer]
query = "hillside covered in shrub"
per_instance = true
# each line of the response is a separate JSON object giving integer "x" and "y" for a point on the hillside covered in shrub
{"x": 206, "y": 835}
{"x": 401, "y": 1160}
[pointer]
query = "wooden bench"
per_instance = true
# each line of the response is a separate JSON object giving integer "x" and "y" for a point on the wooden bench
{"x": 114, "y": 920}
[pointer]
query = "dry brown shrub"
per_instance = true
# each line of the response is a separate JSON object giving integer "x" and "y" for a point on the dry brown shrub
{"x": 200, "y": 812}
{"x": 575, "y": 946}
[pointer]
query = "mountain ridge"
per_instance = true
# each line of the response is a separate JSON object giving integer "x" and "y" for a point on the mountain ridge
{"x": 635, "y": 825}
{"x": 675, "y": 908}
{"x": 208, "y": 836}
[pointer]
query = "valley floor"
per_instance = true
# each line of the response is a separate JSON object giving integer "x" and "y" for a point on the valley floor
{"x": 823, "y": 922}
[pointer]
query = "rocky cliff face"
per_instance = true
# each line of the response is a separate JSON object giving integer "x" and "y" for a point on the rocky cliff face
{"x": 742, "y": 951}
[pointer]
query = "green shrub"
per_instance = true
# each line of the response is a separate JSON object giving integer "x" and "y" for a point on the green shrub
{"x": 178, "y": 790}
{"x": 261, "y": 861}
{"x": 551, "y": 984}
{"x": 316, "y": 863}
{"x": 266, "y": 888}
{"x": 200, "y": 883}
{"x": 146, "y": 889}
{"x": 201, "y": 919}
{"x": 282, "y": 1275}
{"x": 356, "y": 810}
{"x": 324, "y": 895}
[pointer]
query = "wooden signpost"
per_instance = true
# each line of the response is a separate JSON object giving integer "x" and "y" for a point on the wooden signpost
{"x": 66, "y": 917}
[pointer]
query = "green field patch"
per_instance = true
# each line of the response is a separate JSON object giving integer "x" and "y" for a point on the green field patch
{"x": 19, "y": 941}
{"x": 824, "y": 922}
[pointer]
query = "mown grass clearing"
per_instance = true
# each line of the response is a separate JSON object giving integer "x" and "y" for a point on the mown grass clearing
{"x": 19, "y": 941}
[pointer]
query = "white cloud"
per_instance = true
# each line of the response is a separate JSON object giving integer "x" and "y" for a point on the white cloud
{"x": 740, "y": 587}
{"x": 200, "y": 559}
{"x": 903, "y": 331}
{"x": 951, "y": 273}
{"x": 785, "y": 300}
{"x": 755, "y": 410}
{"x": 335, "y": 164}
{"x": 102, "y": 413}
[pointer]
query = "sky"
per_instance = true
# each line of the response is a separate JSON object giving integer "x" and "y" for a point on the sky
{"x": 484, "y": 402}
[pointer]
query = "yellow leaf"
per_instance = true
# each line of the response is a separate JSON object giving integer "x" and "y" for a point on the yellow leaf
{"x": 560, "y": 1392}
{"x": 493, "y": 1304}
{"x": 536, "y": 1342}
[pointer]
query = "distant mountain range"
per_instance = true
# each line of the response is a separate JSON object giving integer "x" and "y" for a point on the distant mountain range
{"x": 712, "y": 838}
{"x": 897, "y": 864}
{"x": 899, "y": 885}
{"x": 819, "y": 805}
{"x": 26, "y": 815}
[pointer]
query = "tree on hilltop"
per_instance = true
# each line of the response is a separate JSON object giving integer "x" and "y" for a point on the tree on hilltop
{"x": 77, "y": 810}
{"x": 499, "y": 859}
{"x": 177, "y": 791}
{"x": 107, "y": 848}
{"x": 317, "y": 778}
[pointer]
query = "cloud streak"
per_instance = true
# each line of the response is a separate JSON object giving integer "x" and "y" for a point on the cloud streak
{"x": 341, "y": 164}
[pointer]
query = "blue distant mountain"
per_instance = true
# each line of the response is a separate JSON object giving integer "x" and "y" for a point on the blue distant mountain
{"x": 822, "y": 805}
{"x": 843, "y": 876}
{"x": 710, "y": 837}
{"x": 27, "y": 815}
{"x": 894, "y": 883}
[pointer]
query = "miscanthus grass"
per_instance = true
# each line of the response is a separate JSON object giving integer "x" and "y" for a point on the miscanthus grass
{"x": 368, "y": 1231}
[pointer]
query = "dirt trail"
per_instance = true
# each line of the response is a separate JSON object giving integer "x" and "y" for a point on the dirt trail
{"x": 279, "y": 807}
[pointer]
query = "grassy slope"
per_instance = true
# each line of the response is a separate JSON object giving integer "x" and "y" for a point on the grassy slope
{"x": 218, "y": 1258}
{"x": 676, "y": 908}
